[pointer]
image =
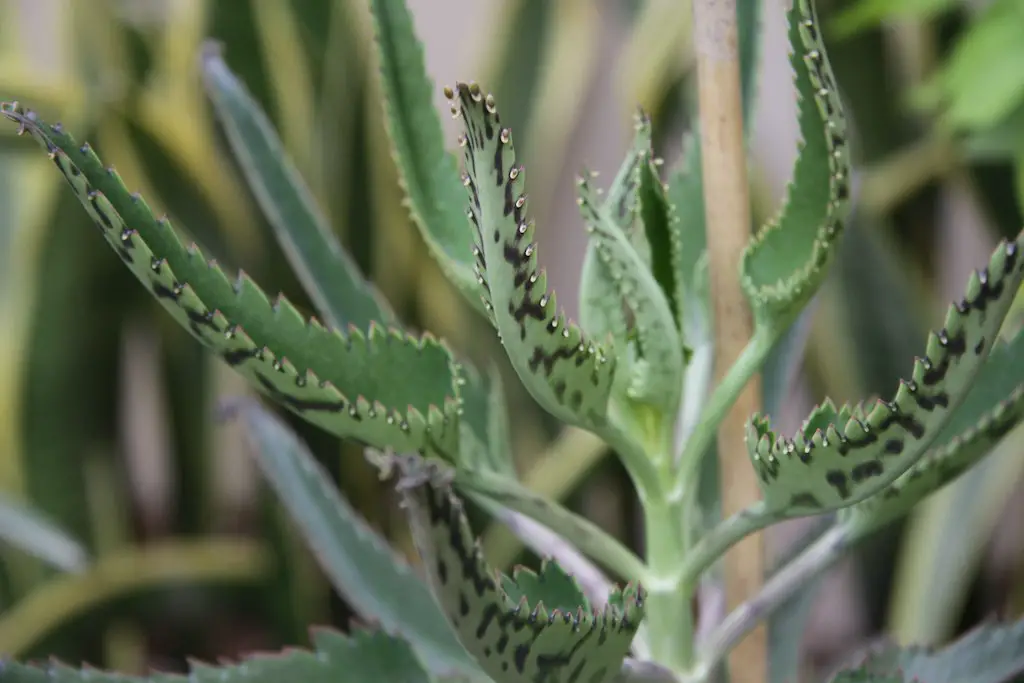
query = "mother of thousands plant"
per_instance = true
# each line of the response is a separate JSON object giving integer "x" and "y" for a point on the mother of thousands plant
{"x": 635, "y": 362}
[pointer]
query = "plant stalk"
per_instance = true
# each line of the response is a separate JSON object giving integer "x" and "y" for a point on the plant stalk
{"x": 818, "y": 557}
{"x": 727, "y": 202}
{"x": 669, "y": 612}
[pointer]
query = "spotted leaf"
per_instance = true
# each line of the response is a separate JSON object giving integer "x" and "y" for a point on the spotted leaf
{"x": 841, "y": 457}
{"x": 654, "y": 353}
{"x": 382, "y": 387}
{"x": 568, "y": 374}
{"x": 786, "y": 261}
{"x": 505, "y": 622}
{"x": 993, "y": 407}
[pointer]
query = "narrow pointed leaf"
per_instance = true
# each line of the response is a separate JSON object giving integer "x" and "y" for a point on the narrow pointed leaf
{"x": 993, "y": 407}
{"x": 428, "y": 172}
{"x": 384, "y": 388}
{"x": 841, "y": 457}
{"x": 517, "y": 631}
{"x": 654, "y": 356}
{"x": 568, "y": 374}
{"x": 359, "y": 657}
{"x": 361, "y": 565}
{"x": 786, "y": 261}
{"x": 328, "y": 273}
{"x": 29, "y": 531}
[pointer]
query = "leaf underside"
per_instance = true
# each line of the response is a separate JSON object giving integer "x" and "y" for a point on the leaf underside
{"x": 992, "y": 408}
{"x": 525, "y": 628}
{"x": 841, "y": 457}
{"x": 360, "y": 657}
{"x": 382, "y": 387}
{"x": 784, "y": 264}
{"x": 567, "y": 374}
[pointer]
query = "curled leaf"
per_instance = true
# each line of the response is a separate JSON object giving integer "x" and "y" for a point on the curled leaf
{"x": 840, "y": 457}
{"x": 524, "y": 628}
{"x": 993, "y": 407}
{"x": 786, "y": 261}
{"x": 568, "y": 374}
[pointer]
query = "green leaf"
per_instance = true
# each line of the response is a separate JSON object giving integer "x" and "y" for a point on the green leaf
{"x": 601, "y": 308}
{"x": 568, "y": 374}
{"x": 864, "y": 676}
{"x": 686, "y": 194}
{"x": 428, "y": 173}
{"x": 514, "y": 635}
{"x": 551, "y": 586}
{"x": 653, "y": 356}
{"x": 786, "y": 261}
{"x": 485, "y": 442}
{"x": 360, "y": 657}
{"x": 993, "y": 406}
{"x": 360, "y": 564}
{"x": 657, "y": 217}
{"x": 328, "y": 273}
{"x": 861, "y": 15}
{"x": 31, "y": 532}
{"x": 991, "y": 653}
{"x": 982, "y": 82}
{"x": 841, "y": 457}
{"x": 384, "y": 388}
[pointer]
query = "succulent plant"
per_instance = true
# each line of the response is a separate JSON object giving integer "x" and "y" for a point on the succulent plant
{"x": 438, "y": 425}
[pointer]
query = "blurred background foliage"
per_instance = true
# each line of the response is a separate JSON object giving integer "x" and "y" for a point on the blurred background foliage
{"x": 107, "y": 408}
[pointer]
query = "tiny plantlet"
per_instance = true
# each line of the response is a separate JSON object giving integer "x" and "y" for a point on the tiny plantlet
{"x": 630, "y": 370}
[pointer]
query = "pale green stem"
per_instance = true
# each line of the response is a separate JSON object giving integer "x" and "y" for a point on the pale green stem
{"x": 669, "y": 614}
{"x": 640, "y": 464}
{"x": 818, "y": 557}
{"x": 722, "y": 399}
{"x": 721, "y": 537}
